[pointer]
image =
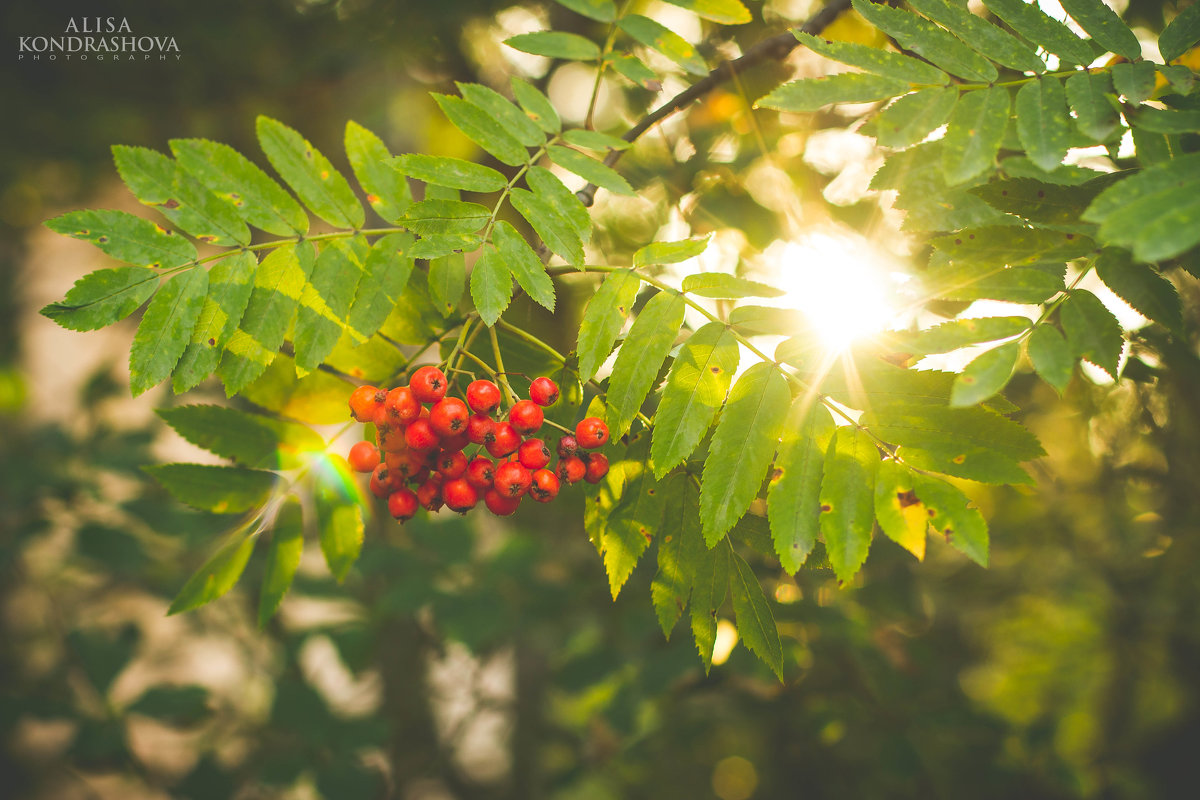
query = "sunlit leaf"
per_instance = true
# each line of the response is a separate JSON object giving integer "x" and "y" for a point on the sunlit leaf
{"x": 901, "y": 514}
{"x": 1051, "y": 356}
{"x": 1143, "y": 288}
{"x": 125, "y": 237}
{"x": 326, "y": 299}
{"x": 812, "y": 94}
{"x": 1092, "y": 331}
{"x": 793, "y": 500}
{"x": 230, "y": 282}
{"x": 339, "y": 519}
{"x": 524, "y": 264}
{"x": 387, "y": 192}
{"x": 501, "y": 109}
{"x": 951, "y": 516}
{"x": 1043, "y": 123}
{"x": 217, "y": 575}
{"x": 447, "y": 281}
{"x": 1031, "y": 22}
{"x": 962, "y": 332}
{"x": 603, "y": 319}
{"x": 672, "y": 584}
{"x": 755, "y": 622}
{"x": 914, "y": 116}
{"x": 876, "y": 60}
{"x": 1103, "y": 25}
{"x": 1094, "y": 114}
{"x": 651, "y": 34}
{"x": 253, "y": 440}
{"x": 385, "y": 274}
{"x": 724, "y": 285}
{"x": 710, "y": 578}
{"x": 483, "y": 129}
{"x": 491, "y": 285}
{"x": 928, "y": 40}
{"x": 590, "y": 169}
{"x": 641, "y": 355}
{"x": 634, "y": 520}
{"x": 975, "y": 133}
{"x": 103, "y": 297}
{"x": 536, "y": 105}
{"x": 988, "y": 39}
{"x": 986, "y": 375}
{"x": 310, "y": 174}
{"x": 453, "y": 172}
{"x": 555, "y": 44}
{"x": 556, "y": 231}
{"x": 221, "y": 490}
{"x": 166, "y": 328}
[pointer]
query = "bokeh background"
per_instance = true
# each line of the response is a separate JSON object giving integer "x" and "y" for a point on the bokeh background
{"x": 478, "y": 659}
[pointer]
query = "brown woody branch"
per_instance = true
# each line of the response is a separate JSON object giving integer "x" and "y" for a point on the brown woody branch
{"x": 775, "y": 48}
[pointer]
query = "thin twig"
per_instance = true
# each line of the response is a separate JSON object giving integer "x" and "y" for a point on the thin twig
{"x": 775, "y": 48}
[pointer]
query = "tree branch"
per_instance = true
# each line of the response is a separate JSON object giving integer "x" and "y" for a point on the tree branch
{"x": 775, "y": 48}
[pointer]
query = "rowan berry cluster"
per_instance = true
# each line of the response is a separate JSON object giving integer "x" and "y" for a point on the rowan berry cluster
{"x": 419, "y": 457}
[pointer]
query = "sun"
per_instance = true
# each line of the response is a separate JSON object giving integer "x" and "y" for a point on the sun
{"x": 841, "y": 283}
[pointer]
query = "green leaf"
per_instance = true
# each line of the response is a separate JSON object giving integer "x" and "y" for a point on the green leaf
{"x": 253, "y": 440}
{"x": 159, "y": 182}
{"x": 848, "y": 500}
{"x": 983, "y": 281}
{"x": 995, "y": 245}
{"x": 385, "y": 275}
{"x": 812, "y": 94}
{"x": 649, "y": 33}
{"x": 603, "y": 319}
{"x": 387, "y": 193}
{"x": 103, "y": 297}
{"x": 975, "y": 133}
{"x": 536, "y": 105}
{"x": 1092, "y": 331}
{"x": 283, "y": 558}
{"x": 988, "y": 39}
{"x": 430, "y": 217}
{"x": 724, "y": 12}
{"x": 552, "y": 191}
{"x": 669, "y": 252}
{"x": 1157, "y": 120}
{"x": 429, "y": 247}
{"x": 126, "y": 238}
{"x": 634, "y": 520}
{"x": 310, "y": 174}
{"x": 524, "y": 264}
{"x": 453, "y": 172}
{"x": 760, "y": 320}
{"x": 1180, "y": 77}
{"x": 1051, "y": 356}
{"x": 166, "y": 328}
{"x": 914, "y": 116}
{"x": 1104, "y": 26}
{"x": 1134, "y": 80}
{"x": 483, "y": 129}
{"x": 221, "y": 490}
{"x": 1031, "y": 22}
{"x": 257, "y": 198}
{"x": 875, "y": 383}
{"x": 1044, "y": 204}
{"x": 1094, "y": 114}
{"x": 217, "y": 575}
{"x": 559, "y": 234}
{"x": 318, "y": 398}
{"x": 635, "y": 70}
{"x": 710, "y": 578}
{"x": 326, "y": 299}
{"x": 415, "y": 318}
{"x": 986, "y": 375}
{"x": 958, "y": 333}
{"x": 599, "y": 10}
{"x": 793, "y": 499}
{"x": 590, "y": 169}
{"x": 1153, "y": 211}
{"x": 499, "y": 108}
{"x": 1181, "y": 34}
{"x": 447, "y": 280}
{"x": 928, "y": 41}
{"x": 742, "y": 448}
{"x": 491, "y": 285}
{"x": 339, "y": 521}
{"x": 1043, "y": 124}
{"x": 555, "y": 44}
{"x": 695, "y": 389}
{"x": 929, "y": 426}
{"x": 755, "y": 622}
{"x": 875, "y": 60}
{"x": 951, "y": 516}
{"x": 672, "y": 583}
{"x": 603, "y": 496}
{"x": 595, "y": 140}
{"x": 180, "y": 706}
{"x": 902, "y": 516}
{"x": 722, "y": 285}
{"x": 278, "y": 284}
{"x": 641, "y": 355}
{"x": 230, "y": 282}
{"x": 1142, "y": 287}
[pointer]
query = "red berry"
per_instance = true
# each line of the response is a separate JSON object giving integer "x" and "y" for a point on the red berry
{"x": 428, "y": 384}
{"x": 429, "y": 495}
{"x": 505, "y": 440}
{"x": 512, "y": 479}
{"x": 420, "y": 476}
{"x": 402, "y": 405}
{"x": 544, "y": 487}
{"x": 591, "y": 433}
{"x": 451, "y": 465}
{"x": 402, "y": 504}
{"x": 597, "y": 467}
{"x": 454, "y": 443}
{"x": 390, "y": 438}
{"x": 525, "y": 416}
{"x": 364, "y": 401}
{"x": 499, "y": 504}
{"x": 483, "y": 396}
{"x": 480, "y": 473}
{"x": 420, "y": 435}
{"x": 363, "y": 457}
{"x": 567, "y": 446}
{"x": 449, "y": 416}
{"x": 543, "y": 391}
{"x": 571, "y": 469}
{"x": 459, "y": 495}
{"x": 533, "y": 454}
{"x": 481, "y": 429}
{"x": 384, "y": 481}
